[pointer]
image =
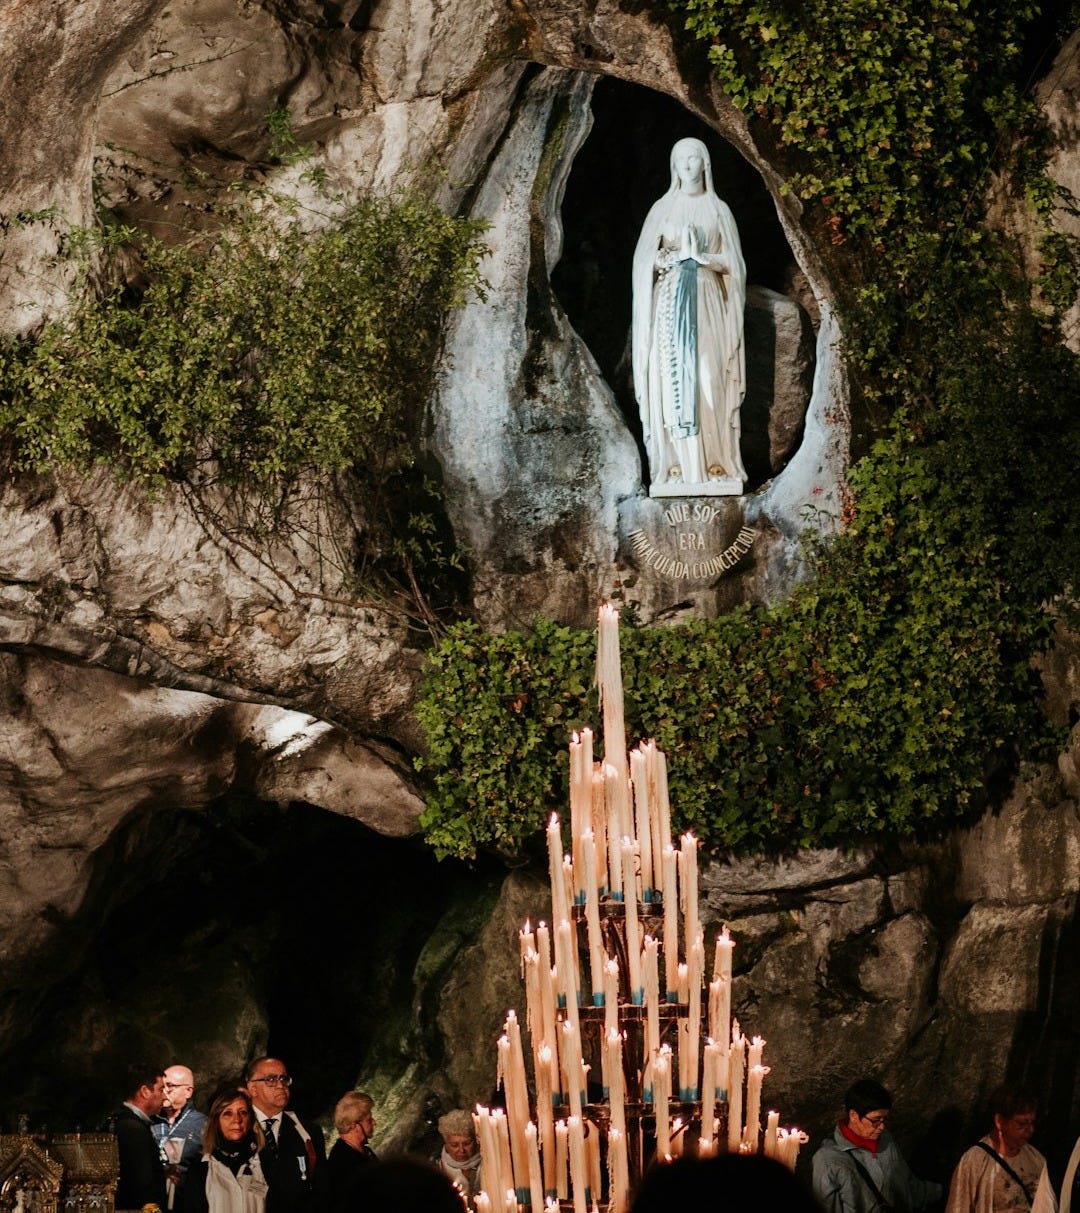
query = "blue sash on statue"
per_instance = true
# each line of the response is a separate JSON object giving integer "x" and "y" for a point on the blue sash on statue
{"x": 686, "y": 362}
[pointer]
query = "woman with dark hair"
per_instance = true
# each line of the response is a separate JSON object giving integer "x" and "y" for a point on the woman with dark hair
{"x": 228, "y": 1178}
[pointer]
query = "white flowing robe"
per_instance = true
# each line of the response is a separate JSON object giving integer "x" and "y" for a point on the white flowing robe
{"x": 660, "y": 376}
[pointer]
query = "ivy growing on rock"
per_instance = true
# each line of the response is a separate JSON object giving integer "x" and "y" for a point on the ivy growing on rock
{"x": 264, "y": 358}
{"x": 886, "y": 696}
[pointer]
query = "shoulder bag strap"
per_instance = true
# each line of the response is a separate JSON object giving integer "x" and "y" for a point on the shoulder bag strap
{"x": 883, "y": 1204}
{"x": 1005, "y": 1166}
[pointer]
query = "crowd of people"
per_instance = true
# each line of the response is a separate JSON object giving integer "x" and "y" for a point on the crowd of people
{"x": 251, "y": 1154}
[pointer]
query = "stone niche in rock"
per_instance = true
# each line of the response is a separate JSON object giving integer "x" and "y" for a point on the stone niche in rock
{"x": 619, "y": 171}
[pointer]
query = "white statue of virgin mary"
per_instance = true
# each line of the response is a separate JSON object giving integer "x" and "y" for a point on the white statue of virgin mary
{"x": 689, "y": 363}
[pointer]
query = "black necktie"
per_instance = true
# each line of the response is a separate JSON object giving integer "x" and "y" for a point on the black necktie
{"x": 268, "y": 1129}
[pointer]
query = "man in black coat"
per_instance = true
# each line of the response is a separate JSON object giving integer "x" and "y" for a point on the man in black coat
{"x": 142, "y": 1180}
{"x": 351, "y": 1156}
{"x": 293, "y": 1150}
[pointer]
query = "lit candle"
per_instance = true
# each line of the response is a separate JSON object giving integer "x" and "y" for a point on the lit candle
{"x": 735, "y": 1090}
{"x": 708, "y": 1089}
{"x": 752, "y": 1132}
{"x": 652, "y": 1010}
{"x": 482, "y": 1202}
{"x": 536, "y": 1185}
{"x": 609, "y": 683}
{"x": 592, "y": 1160}
{"x": 489, "y": 1150}
{"x": 526, "y": 943}
{"x": 633, "y": 931}
{"x": 502, "y": 1132}
{"x": 517, "y": 1102}
{"x": 656, "y": 841}
{"x": 592, "y": 917}
{"x": 688, "y": 852}
{"x": 640, "y": 777}
{"x": 671, "y": 925}
{"x": 578, "y": 1181}
{"x": 580, "y": 801}
{"x": 693, "y": 1019}
{"x": 611, "y": 994}
{"x": 618, "y": 1171}
{"x": 725, "y": 946}
{"x": 547, "y": 987}
{"x": 534, "y": 1015}
{"x": 772, "y": 1130}
{"x": 573, "y": 1065}
{"x": 663, "y": 807}
{"x": 545, "y": 1111}
{"x": 662, "y": 1080}
{"x": 677, "y": 1142}
{"x": 560, "y": 904}
{"x": 788, "y": 1146}
{"x": 562, "y": 1156}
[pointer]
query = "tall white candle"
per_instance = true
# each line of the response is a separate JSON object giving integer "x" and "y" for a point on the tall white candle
{"x": 580, "y": 802}
{"x": 725, "y": 946}
{"x": 565, "y": 967}
{"x": 609, "y": 682}
{"x": 752, "y": 1131}
{"x": 578, "y": 1179}
{"x": 708, "y": 1089}
{"x": 772, "y": 1130}
{"x": 599, "y": 826}
{"x": 611, "y": 994}
{"x": 640, "y": 777}
{"x": 614, "y": 833}
{"x": 618, "y": 1171}
{"x": 656, "y": 841}
{"x": 663, "y": 806}
{"x": 617, "y": 1100}
{"x": 696, "y": 965}
{"x": 633, "y": 930}
{"x": 592, "y": 1161}
{"x": 671, "y": 925}
{"x": 534, "y": 1014}
{"x": 652, "y": 1010}
{"x": 560, "y": 903}
{"x": 688, "y": 862}
{"x": 489, "y": 1150}
{"x": 526, "y": 943}
{"x": 662, "y": 1075}
{"x": 737, "y": 1057}
{"x": 545, "y": 1113}
{"x": 536, "y": 1184}
{"x": 502, "y": 1132}
{"x": 592, "y": 917}
{"x": 562, "y": 1158}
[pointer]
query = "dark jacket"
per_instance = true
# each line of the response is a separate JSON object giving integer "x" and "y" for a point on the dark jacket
{"x": 334, "y": 1180}
{"x": 142, "y": 1180}
{"x": 288, "y": 1167}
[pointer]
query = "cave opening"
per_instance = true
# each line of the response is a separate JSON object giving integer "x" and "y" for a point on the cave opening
{"x": 621, "y": 169}
{"x": 208, "y": 937}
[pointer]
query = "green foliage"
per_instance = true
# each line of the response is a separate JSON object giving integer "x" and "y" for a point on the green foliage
{"x": 273, "y": 352}
{"x": 885, "y": 696}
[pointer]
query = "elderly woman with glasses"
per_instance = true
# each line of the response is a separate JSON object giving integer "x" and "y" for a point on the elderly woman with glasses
{"x": 229, "y": 1177}
{"x": 860, "y": 1168}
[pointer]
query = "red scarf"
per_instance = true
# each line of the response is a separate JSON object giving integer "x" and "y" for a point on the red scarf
{"x": 864, "y": 1143}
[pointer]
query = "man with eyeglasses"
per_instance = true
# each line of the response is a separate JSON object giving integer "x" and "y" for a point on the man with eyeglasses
{"x": 293, "y": 1150}
{"x": 178, "y": 1128}
{"x": 860, "y": 1168}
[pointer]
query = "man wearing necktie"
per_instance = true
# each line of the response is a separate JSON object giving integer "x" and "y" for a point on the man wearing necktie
{"x": 293, "y": 1150}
